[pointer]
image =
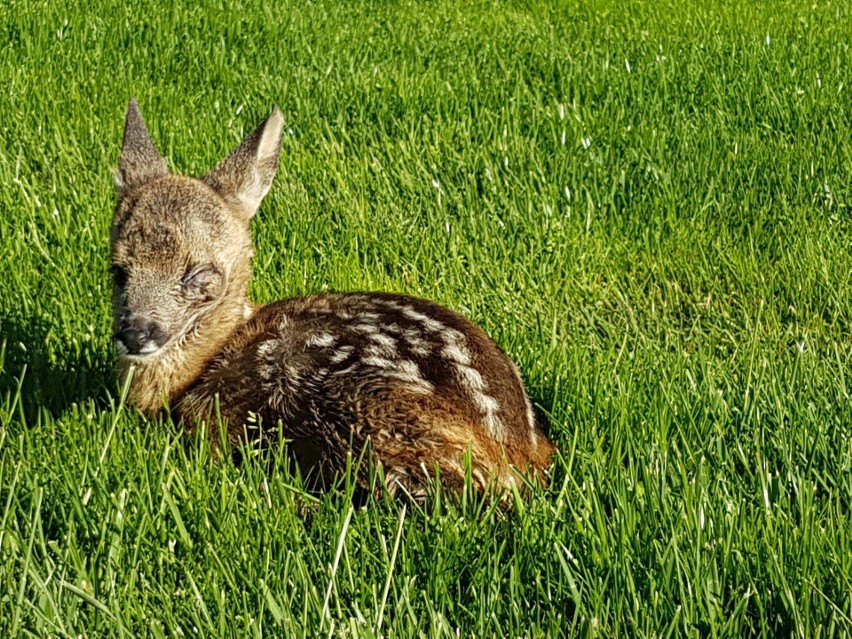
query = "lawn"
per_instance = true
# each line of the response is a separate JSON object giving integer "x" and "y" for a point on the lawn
{"x": 647, "y": 204}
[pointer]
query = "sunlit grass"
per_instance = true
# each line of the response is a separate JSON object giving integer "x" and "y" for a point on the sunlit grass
{"x": 646, "y": 204}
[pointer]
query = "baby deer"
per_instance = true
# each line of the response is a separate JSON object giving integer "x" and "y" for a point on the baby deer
{"x": 414, "y": 385}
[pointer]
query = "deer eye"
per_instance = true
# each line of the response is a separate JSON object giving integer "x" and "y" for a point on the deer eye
{"x": 200, "y": 281}
{"x": 119, "y": 275}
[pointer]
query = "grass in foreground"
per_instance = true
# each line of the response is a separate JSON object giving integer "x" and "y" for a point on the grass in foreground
{"x": 647, "y": 205}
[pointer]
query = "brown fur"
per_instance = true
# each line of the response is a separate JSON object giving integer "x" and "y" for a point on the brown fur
{"x": 414, "y": 383}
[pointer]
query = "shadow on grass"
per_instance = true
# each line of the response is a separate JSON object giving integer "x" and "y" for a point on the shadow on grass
{"x": 54, "y": 376}
{"x": 543, "y": 399}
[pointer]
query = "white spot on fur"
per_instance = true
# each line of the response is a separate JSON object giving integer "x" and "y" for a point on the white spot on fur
{"x": 344, "y": 315}
{"x": 294, "y": 374}
{"x": 492, "y": 422}
{"x": 431, "y": 324}
{"x": 456, "y": 354}
{"x": 365, "y": 328}
{"x": 345, "y": 371}
{"x": 533, "y": 438}
{"x": 367, "y": 316}
{"x": 378, "y": 362}
{"x": 485, "y": 403}
{"x": 478, "y": 476}
{"x": 402, "y": 370}
{"x": 421, "y": 349}
{"x": 416, "y": 343}
{"x": 472, "y": 381}
{"x": 266, "y": 349}
{"x": 384, "y": 340}
{"x": 322, "y": 340}
{"x": 380, "y": 350}
{"x": 341, "y": 354}
{"x": 452, "y": 336}
{"x": 381, "y": 338}
{"x": 421, "y": 388}
{"x": 470, "y": 378}
{"x": 391, "y": 304}
{"x": 408, "y": 371}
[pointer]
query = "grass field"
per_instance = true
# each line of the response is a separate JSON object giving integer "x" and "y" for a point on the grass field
{"x": 647, "y": 204}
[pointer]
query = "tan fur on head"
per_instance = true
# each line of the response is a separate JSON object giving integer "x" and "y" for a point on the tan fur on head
{"x": 181, "y": 252}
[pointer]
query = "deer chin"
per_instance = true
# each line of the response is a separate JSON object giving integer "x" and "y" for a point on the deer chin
{"x": 149, "y": 352}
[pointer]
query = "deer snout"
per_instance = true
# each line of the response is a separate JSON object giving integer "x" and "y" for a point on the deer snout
{"x": 140, "y": 337}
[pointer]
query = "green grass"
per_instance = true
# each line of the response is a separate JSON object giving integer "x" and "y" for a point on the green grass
{"x": 647, "y": 204}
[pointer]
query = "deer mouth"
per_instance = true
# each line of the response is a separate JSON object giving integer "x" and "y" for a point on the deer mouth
{"x": 147, "y": 351}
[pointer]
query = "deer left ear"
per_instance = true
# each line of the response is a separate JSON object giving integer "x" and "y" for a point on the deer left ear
{"x": 243, "y": 179}
{"x": 140, "y": 161}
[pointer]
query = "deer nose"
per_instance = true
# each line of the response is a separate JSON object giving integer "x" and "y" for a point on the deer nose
{"x": 140, "y": 337}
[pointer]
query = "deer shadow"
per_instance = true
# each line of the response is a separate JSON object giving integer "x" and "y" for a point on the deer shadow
{"x": 51, "y": 376}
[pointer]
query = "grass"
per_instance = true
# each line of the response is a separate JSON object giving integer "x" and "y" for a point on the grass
{"x": 646, "y": 203}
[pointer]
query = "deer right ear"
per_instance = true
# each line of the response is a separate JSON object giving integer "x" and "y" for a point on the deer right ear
{"x": 244, "y": 177}
{"x": 140, "y": 161}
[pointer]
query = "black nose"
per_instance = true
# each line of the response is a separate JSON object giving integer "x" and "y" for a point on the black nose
{"x": 140, "y": 337}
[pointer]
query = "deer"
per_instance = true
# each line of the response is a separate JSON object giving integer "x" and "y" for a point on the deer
{"x": 419, "y": 389}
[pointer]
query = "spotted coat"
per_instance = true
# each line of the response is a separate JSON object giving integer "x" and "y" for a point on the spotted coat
{"x": 421, "y": 383}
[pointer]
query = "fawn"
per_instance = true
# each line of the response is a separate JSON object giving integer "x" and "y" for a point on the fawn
{"x": 414, "y": 384}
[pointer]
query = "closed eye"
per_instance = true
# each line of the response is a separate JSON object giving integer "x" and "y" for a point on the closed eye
{"x": 198, "y": 279}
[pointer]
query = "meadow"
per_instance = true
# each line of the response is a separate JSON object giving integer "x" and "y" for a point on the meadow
{"x": 647, "y": 204}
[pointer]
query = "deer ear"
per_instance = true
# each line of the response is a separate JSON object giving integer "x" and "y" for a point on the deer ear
{"x": 244, "y": 177}
{"x": 140, "y": 161}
